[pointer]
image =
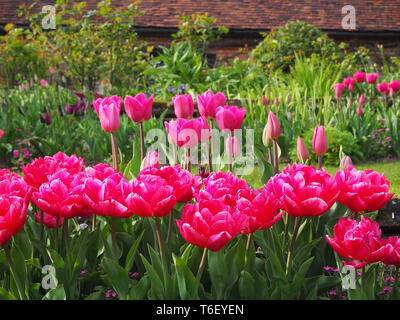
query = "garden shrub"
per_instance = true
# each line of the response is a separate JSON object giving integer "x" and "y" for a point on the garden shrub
{"x": 279, "y": 47}
{"x": 337, "y": 141}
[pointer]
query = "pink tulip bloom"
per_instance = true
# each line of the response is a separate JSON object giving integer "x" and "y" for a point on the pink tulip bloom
{"x": 392, "y": 259}
{"x": 107, "y": 101}
{"x": 232, "y": 147}
{"x": 359, "y": 76}
{"x": 208, "y": 102}
{"x": 345, "y": 162}
{"x": 261, "y": 209}
{"x": 359, "y": 111}
{"x": 383, "y": 88}
{"x": 108, "y": 197}
{"x": 372, "y": 77}
{"x": 302, "y": 151}
{"x": 182, "y": 181}
{"x": 362, "y": 191}
{"x": 1, "y": 133}
{"x": 100, "y": 171}
{"x": 185, "y": 133}
{"x": 43, "y": 83}
{"x": 12, "y": 184}
{"x": 339, "y": 88}
{"x": 362, "y": 99}
{"x": 264, "y": 100}
{"x": 152, "y": 160}
{"x": 151, "y": 197}
{"x": 319, "y": 141}
{"x": 358, "y": 242}
{"x": 49, "y": 220}
{"x": 276, "y": 101}
{"x": 109, "y": 115}
{"x": 72, "y": 163}
{"x": 273, "y": 127}
{"x": 183, "y": 106}
{"x": 304, "y": 191}
{"x": 349, "y": 84}
{"x": 210, "y": 224}
{"x": 395, "y": 85}
{"x": 230, "y": 117}
{"x": 62, "y": 195}
{"x": 139, "y": 108}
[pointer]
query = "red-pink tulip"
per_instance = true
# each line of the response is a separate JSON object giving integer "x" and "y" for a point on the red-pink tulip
{"x": 49, "y": 220}
{"x": 349, "y": 84}
{"x": 395, "y": 85}
{"x": 183, "y": 106}
{"x": 151, "y": 197}
{"x": 11, "y": 184}
{"x": 43, "y": 83}
{"x": 109, "y": 115}
{"x": 1, "y": 133}
{"x": 230, "y": 117}
{"x": 208, "y": 102}
{"x": 304, "y": 191}
{"x": 261, "y": 209}
{"x": 264, "y": 100}
{"x": 362, "y": 190}
{"x": 392, "y": 259}
{"x": 372, "y": 77}
{"x": 339, "y": 88}
{"x": 152, "y": 160}
{"x": 273, "y": 127}
{"x": 362, "y": 99}
{"x": 185, "y": 133}
{"x": 107, "y": 101}
{"x": 358, "y": 242}
{"x": 359, "y": 76}
{"x": 210, "y": 224}
{"x": 319, "y": 141}
{"x": 108, "y": 197}
{"x": 359, "y": 111}
{"x": 100, "y": 171}
{"x": 139, "y": 108}
{"x": 383, "y": 88}
{"x": 302, "y": 151}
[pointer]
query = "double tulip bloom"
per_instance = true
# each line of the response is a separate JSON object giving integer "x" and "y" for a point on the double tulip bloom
{"x": 208, "y": 102}
{"x": 139, "y": 108}
{"x": 383, "y": 88}
{"x": 304, "y": 191}
{"x": 371, "y": 77}
{"x": 359, "y": 76}
{"x": 362, "y": 191}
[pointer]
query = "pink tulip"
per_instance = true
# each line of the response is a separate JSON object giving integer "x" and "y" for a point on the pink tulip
{"x": 345, "y": 162}
{"x": 49, "y": 220}
{"x": 232, "y": 147}
{"x": 62, "y": 195}
{"x": 392, "y": 259}
{"x": 52, "y": 70}
{"x": 349, "y": 84}
{"x": 183, "y": 105}
{"x": 182, "y": 181}
{"x": 362, "y": 191}
{"x": 208, "y": 102}
{"x": 319, "y": 141}
{"x": 100, "y": 171}
{"x": 362, "y": 99}
{"x": 151, "y": 197}
{"x": 358, "y": 242}
{"x": 359, "y": 111}
{"x": 152, "y": 160}
{"x": 107, "y": 197}
{"x": 185, "y": 133}
{"x": 139, "y": 108}
{"x": 304, "y": 191}
{"x": 273, "y": 127}
{"x": 302, "y": 151}
{"x": 230, "y": 117}
{"x": 383, "y": 88}
{"x": 372, "y": 77}
{"x": 210, "y": 224}
{"x": 43, "y": 83}
{"x": 107, "y": 101}
{"x": 359, "y": 76}
{"x": 339, "y": 88}
{"x": 264, "y": 100}
{"x": 276, "y": 101}
{"x": 261, "y": 209}
{"x": 1, "y": 133}
{"x": 395, "y": 85}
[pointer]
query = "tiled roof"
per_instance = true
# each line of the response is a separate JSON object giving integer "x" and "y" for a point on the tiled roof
{"x": 371, "y": 15}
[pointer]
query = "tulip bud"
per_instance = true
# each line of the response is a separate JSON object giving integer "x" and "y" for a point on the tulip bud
{"x": 359, "y": 111}
{"x": 152, "y": 160}
{"x": 183, "y": 105}
{"x": 276, "y": 101}
{"x": 319, "y": 141}
{"x": 109, "y": 117}
{"x": 339, "y": 88}
{"x": 273, "y": 127}
{"x": 43, "y": 83}
{"x": 264, "y": 100}
{"x": 302, "y": 151}
{"x": 362, "y": 99}
{"x": 345, "y": 162}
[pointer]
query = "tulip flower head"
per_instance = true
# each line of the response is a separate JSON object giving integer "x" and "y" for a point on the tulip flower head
{"x": 272, "y": 129}
{"x": 359, "y": 111}
{"x": 1, "y": 133}
{"x": 183, "y": 106}
{"x": 49, "y": 220}
{"x": 230, "y": 118}
{"x": 339, "y": 88}
{"x": 208, "y": 102}
{"x": 139, "y": 108}
{"x": 185, "y": 133}
{"x": 359, "y": 76}
{"x": 345, "y": 162}
{"x": 302, "y": 151}
{"x": 383, "y": 88}
{"x": 349, "y": 84}
{"x": 319, "y": 141}
{"x": 395, "y": 85}
{"x": 371, "y": 77}
{"x": 152, "y": 160}
{"x": 362, "y": 99}
{"x": 264, "y": 100}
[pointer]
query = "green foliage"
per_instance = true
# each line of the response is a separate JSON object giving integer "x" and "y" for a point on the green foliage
{"x": 279, "y": 47}
{"x": 337, "y": 140}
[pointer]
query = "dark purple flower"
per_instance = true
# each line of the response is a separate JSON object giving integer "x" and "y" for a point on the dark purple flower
{"x": 45, "y": 118}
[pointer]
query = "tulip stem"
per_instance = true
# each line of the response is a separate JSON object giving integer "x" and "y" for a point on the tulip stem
{"x": 249, "y": 240}
{"x": 210, "y": 146}
{"x": 286, "y": 228}
{"x": 230, "y": 152}
{"x": 170, "y": 224}
{"x": 159, "y": 237}
{"x": 202, "y": 264}
{"x": 141, "y": 130}
{"x": 320, "y": 161}
{"x": 292, "y": 243}
{"x": 41, "y": 225}
{"x": 270, "y": 156}
{"x": 114, "y": 151}
{"x": 188, "y": 163}
{"x": 93, "y": 222}
{"x": 276, "y": 163}
{"x": 18, "y": 283}
{"x": 113, "y": 233}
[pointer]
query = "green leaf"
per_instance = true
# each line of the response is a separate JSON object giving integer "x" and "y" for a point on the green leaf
{"x": 117, "y": 276}
{"x": 55, "y": 294}
{"x": 5, "y": 295}
{"x": 187, "y": 282}
{"x": 157, "y": 286}
{"x": 130, "y": 258}
{"x": 246, "y": 285}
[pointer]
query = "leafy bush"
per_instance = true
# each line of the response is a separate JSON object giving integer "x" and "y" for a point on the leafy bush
{"x": 279, "y": 47}
{"x": 337, "y": 141}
